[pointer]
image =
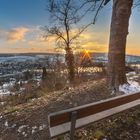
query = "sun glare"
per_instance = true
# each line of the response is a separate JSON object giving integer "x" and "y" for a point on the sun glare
{"x": 86, "y": 51}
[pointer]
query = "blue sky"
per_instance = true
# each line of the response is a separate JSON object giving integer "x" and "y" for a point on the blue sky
{"x": 20, "y": 21}
{"x": 22, "y": 12}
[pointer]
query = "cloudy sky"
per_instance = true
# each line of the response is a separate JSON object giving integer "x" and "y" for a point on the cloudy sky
{"x": 20, "y": 22}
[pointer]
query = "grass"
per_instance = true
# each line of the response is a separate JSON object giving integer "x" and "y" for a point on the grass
{"x": 98, "y": 134}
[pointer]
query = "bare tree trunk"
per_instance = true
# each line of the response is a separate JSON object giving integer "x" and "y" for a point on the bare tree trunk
{"x": 70, "y": 64}
{"x": 117, "y": 45}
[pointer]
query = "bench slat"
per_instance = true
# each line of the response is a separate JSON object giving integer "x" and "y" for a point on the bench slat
{"x": 60, "y": 118}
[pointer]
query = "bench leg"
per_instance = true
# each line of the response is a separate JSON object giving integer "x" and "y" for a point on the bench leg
{"x": 73, "y": 124}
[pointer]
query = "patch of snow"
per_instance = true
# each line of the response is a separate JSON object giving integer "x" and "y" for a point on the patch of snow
{"x": 2, "y": 103}
{"x": 5, "y": 92}
{"x": 131, "y": 73}
{"x": 7, "y": 85}
{"x": 21, "y": 128}
{"x": 34, "y": 129}
{"x": 24, "y": 82}
{"x": 22, "y": 89}
{"x": 6, "y": 123}
{"x": 136, "y": 76}
{"x": 104, "y": 139}
{"x": 38, "y": 84}
{"x": 42, "y": 127}
{"x": 23, "y": 133}
{"x": 131, "y": 87}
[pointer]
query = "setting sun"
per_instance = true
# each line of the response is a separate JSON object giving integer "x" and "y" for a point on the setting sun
{"x": 86, "y": 51}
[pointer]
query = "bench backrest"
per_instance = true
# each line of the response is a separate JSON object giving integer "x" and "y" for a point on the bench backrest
{"x": 61, "y": 122}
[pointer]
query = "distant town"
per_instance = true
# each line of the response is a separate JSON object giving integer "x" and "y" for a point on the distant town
{"x": 18, "y": 70}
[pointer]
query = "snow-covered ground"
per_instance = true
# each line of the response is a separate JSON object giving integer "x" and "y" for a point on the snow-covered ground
{"x": 23, "y": 58}
{"x": 5, "y": 87}
{"x": 4, "y": 92}
{"x": 17, "y": 58}
{"x": 132, "y": 86}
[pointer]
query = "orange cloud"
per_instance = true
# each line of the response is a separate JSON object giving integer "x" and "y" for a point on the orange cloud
{"x": 17, "y": 34}
{"x": 32, "y": 40}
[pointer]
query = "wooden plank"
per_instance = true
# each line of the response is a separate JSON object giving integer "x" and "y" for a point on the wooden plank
{"x": 91, "y": 109}
{"x": 65, "y": 127}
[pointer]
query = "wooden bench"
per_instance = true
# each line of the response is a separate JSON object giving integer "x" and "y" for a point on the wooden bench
{"x": 68, "y": 120}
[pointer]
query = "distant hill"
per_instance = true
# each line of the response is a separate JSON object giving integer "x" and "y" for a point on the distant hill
{"x": 24, "y": 54}
{"x": 97, "y": 57}
{"x": 103, "y": 57}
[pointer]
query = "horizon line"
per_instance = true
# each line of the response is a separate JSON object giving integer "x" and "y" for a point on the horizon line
{"x": 12, "y": 53}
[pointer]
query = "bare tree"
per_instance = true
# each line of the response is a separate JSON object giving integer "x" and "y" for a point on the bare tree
{"x": 65, "y": 27}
